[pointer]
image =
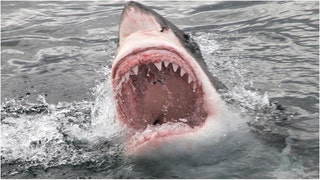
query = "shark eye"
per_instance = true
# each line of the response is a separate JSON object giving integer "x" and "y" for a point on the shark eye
{"x": 186, "y": 37}
{"x": 163, "y": 28}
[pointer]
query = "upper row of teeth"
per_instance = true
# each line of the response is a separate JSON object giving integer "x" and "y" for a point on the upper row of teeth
{"x": 135, "y": 70}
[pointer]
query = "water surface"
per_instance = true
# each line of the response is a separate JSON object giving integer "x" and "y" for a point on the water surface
{"x": 57, "y": 113}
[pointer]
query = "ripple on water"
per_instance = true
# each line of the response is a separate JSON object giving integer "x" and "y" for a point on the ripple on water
{"x": 261, "y": 51}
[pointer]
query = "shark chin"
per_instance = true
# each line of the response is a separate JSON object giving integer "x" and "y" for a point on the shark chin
{"x": 162, "y": 87}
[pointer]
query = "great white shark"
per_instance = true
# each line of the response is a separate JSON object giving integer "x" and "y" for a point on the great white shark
{"x": 162, "y": 87}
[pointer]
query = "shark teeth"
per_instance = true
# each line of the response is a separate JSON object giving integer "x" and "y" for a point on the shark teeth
{"x": 194, "y": 87}
{"x": 175, "y": 67}
{"x": 158, "y": 65}
{"x": 126, "y": 76}
{"x": 182, "y": 72}
{"x": 134, "y": 71}
{"x": 166, "y": 64}
{"x": 190, "y": 79}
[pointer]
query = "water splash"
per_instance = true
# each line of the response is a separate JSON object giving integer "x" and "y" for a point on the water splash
{"x": 267, "y": 119}
{"x": 48, "y": 135}
{"x": 228, "y": 68}
{"x": 103, "y": 111}
{"x": 41, "y": 138}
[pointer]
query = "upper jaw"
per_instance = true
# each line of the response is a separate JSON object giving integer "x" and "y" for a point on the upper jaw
{"x": 146, "y": 39}
{"x": 159, "y": 56}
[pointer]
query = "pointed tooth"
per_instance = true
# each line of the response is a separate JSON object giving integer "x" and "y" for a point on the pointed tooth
{"x": 135, "y": 70}
{"x": 166, "y": 63}
{"x": 182, "y": 72}
{"x": 158, "y": 65}
{"x": 194, "y": 87}
{"x": 175, "y": 67}
{"x": 125, "y": 77}
{"x": 189, "y": 79}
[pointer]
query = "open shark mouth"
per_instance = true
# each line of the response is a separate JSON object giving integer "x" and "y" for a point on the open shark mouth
{"x": 159, "y": 78}
{"x": 156, "y": 86}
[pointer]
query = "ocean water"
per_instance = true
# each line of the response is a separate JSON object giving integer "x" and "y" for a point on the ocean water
{"x": 58, "y": 116}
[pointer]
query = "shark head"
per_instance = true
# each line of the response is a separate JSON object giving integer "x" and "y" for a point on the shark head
{"x": 161, "y": 85}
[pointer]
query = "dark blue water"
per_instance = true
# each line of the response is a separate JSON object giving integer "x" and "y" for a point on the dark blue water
{"x": 58, "y": 117}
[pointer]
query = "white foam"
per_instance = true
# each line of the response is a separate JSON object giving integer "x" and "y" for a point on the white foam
{"x": 231, "y": 73}
{"x": 48, "y": 138}
{"x": 103, "y": 112}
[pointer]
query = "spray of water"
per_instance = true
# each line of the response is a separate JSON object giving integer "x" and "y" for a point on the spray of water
{"x": 267, "y": 118}
{"x": 46, "y": 135}
{"x": 229, "y": 70}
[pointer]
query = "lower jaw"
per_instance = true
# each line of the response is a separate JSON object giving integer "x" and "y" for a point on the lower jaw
{"x": 153, "y": 137}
